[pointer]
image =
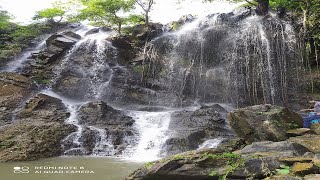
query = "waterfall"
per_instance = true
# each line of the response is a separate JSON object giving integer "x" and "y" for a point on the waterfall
{"x": 234, "y": 58}
{"x": 153, "y": 132}
{"x": 222, "y": 60}
{"x": 94, "y": 74}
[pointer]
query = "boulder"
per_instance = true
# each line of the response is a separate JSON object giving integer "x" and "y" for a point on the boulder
{"x": 117, "y": 125}
{"x": 274, "y": 149}
{"x": 37, "y": 130}
{"x": 256, "y": 161}
{"x": 309, "y": 141}
{"x": 304, "y": 168}
{"x": 263, "y": 122}
{"x": 191, "y": 128}
{"x": 57, "y": 44}
{"x": 32, "y": 140}
{"x": 44, "y": 108}
{"x": 14, "y": 89}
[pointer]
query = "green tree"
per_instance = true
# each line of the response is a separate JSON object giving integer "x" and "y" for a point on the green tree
{"x": 4, "y": 20}
{"x": 50, "y": 14}
{"x": 146, "y": 7}
{"x": 107, "y": 12}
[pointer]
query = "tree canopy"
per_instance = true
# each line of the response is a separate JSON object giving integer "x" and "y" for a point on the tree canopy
{"x": 50, "y": 14}
{"x": 108, "y": 12}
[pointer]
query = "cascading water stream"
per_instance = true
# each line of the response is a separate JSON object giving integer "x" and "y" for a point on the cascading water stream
{"x": 153, "y": 132}
{"x": 19, "y": 61}
{"x": 98, "y": 43}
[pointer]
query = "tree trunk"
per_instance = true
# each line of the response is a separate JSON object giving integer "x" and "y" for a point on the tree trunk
{"x": 119, "y": 27}
{"x": 147, "y": 18}
{"x": 262, "y": 7}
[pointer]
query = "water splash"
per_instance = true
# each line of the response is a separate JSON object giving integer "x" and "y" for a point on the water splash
{"x": 153, "y": 133}
{"x": 211, "y": 143}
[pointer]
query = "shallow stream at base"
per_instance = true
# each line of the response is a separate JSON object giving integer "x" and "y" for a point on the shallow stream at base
{"x": 104, "y": 169}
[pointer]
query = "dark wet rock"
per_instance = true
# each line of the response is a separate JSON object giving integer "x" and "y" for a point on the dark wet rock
{"x": 72, "y": 84}
{"x": 100, "y": 114}
{"x": 14, "y": 88}
{"x": 89, "y": 139}
{"x": 118, "y": 126}
{"x": 191, "y": 128}
{"x": 92, "y": 31}
{"x": 263, "y": 122}
{"x": 56, "y": 45}
{"x": 146, "y": 33}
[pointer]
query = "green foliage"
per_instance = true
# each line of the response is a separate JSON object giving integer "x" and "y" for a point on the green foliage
{"x": 149, "y": 164}
{"x": 284, "y": 170}
{"x": 218, "y": 156}
{"x": 107, "y": 12}
{"x": 14, "y": 37}
{"x": 4, "y": 20}
{"x": 50, "y": 14}
{"x": 234, "y": 161}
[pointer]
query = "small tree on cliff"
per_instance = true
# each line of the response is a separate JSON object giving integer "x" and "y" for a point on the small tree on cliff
{"x": 146, "y": 7}
{"x": 104, "y": 12}
{"x": 50, "y": 14}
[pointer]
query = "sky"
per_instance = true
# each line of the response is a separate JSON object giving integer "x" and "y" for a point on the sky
{"x": 163, "y": 11}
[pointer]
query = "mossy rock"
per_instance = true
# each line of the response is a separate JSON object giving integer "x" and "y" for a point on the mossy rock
{"x": 263, "y": 122}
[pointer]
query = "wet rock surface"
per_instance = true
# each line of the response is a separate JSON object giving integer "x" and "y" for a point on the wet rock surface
{"x": 117, "y": 125}
{"x": 191, "y": 128}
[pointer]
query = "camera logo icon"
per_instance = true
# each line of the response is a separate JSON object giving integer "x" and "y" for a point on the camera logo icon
{"x": 23, "y": 169}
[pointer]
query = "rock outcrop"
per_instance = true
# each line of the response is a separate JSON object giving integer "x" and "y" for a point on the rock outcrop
{"x": 36, "y": 132}
{"x": 14, "y": 88}
{"x": 253, "y": 162}
{"x": 117, "y": 125}
{"x": 191, "y": 128}
{"x": 263, "y": 122}
{"x": 40, "y": 67}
